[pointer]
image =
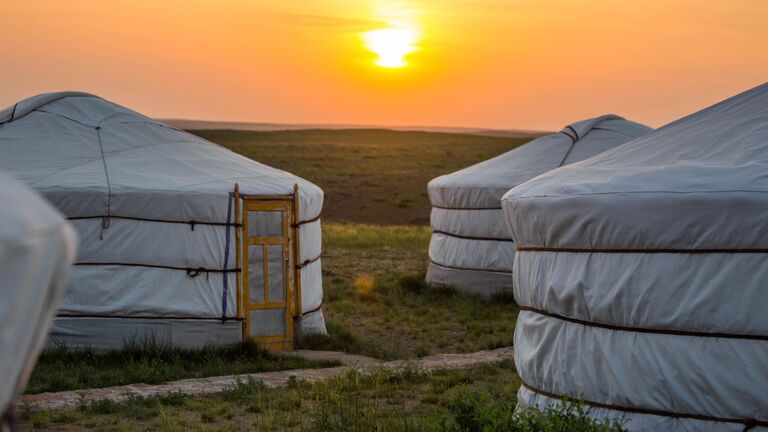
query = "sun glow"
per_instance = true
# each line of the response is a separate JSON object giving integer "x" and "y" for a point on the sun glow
{"x": 391, "y": 45}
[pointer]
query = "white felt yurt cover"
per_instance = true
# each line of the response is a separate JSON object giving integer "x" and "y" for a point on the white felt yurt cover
{"x": 642, "y": 274}
{"x": 37, "y": 248}
{"x": 153, "y": 206}
{"x": 470, "y": 247}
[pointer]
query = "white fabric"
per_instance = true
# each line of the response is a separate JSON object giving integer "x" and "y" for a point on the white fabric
{"x": 697, "y": 183}
{"x": 484, "y": 283}
{"x": 482, "y": 185}
{"x": 472, "y": 254}
{"x": 112, "y": 333}
{"x": 54, "y": 143}
{"x": 36, "y": 250}
{"x": 467, "y": 202}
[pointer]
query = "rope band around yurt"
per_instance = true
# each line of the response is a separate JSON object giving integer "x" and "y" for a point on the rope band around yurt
{"x": 468, "y": 268}
{"x": 105, "y": 221}
{"x": 166, "y": 317}
{"x": 656, "y": 250}
{"x": 748, "y": 423}
{"x": 307, "y": 262}
{"x": 191, "y": 223}
{"x": 616, "y": 327}
{"x": 469, "y": 208}
{"x": 574, "y": 139}
{"x": 191, "y": 271}
{"x": 465, "y": 237}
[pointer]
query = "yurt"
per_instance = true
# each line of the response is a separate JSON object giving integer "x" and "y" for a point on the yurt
{"x": 470, "y": 248}
{"x": 181, "y": 240}
{"x": 642, "y": 276}
{"x": 37, "y": 248}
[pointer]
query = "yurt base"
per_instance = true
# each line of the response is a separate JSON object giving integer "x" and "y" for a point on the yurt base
{"x": 107, "y": 333}
{"x": 484, "y": 283}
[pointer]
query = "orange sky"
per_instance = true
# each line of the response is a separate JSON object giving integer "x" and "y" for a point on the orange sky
{"x": 531, "y": 64}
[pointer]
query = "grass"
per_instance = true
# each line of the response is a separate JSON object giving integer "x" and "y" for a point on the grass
{"x": 373, "y": 176}
{"x": 478, "y": 399}
{"x": 376, "y": 302}
{"x": 152, "y": 362}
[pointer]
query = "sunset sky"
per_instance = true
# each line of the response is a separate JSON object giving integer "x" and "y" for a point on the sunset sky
{"x": 530, "y": 64}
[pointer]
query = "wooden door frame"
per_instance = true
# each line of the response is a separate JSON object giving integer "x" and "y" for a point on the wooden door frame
{"x": 287, "y": 205}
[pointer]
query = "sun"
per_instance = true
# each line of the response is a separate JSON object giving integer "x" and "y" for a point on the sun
{"x": 391, "y": 45}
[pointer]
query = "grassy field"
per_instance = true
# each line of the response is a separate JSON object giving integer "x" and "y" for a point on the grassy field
{"x": 373, "y": 176}
{"x": 479, "y": 399}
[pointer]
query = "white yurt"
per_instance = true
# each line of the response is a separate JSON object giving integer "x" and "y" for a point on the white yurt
{"x": 181, "y": 240}
{"x": 37, "y": 248}
{"x": 642, "y": 276}
{"x": 470, "y": 247}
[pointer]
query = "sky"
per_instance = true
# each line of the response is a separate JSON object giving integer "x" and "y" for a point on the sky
{"x": 523, "y": 64}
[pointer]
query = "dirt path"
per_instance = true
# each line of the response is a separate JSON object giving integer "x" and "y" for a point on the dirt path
{"x": 212, "y": 385}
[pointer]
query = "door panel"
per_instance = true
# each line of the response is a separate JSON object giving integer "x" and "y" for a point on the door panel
{"x": 268, "y": 282}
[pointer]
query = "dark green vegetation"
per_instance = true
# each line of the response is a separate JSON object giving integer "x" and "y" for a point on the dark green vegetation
{"x": 479, "y": 399}
{"x": 376, "y": 302}
{"x": 368, "y": 175}
{"x": 152, "y": 362}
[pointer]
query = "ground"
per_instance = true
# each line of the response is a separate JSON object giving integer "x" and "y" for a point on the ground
{"x": 376, "y": 234}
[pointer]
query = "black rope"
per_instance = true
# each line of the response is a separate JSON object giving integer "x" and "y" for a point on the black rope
{"x": 191, "y": 271}
{"x": 311, "y": 311}
{"x": 307, "y": 262}
{"x": 659, "y": 250}
{"x": 13, "y": 113}
{"x": 748, "y": 423}
{"x": 191, "y": 223}
{"x": 164, "y": 317}
{"x": 105, "y": 221}
{"x": 473, "y": 238}
{"x": 468, "y": 268}
{"x": 296, "y": 225}
{"x": 575, "y": 138}
{"x": 616, "y": 327}
{"x": 459, "y": 208}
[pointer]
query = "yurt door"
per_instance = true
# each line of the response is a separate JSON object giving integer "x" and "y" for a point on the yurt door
{"x": 267, "y": 279}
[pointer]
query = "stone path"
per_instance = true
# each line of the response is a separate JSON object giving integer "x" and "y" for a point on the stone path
{"x": 343, "y": 358}
{"x": 212, "y": 385}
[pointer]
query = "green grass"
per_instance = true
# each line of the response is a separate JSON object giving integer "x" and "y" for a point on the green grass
{"x": 478, "y": 399}
{"x": 151, "y": 362}
{"x": 369, "y": 175}
{"x": 399, "y": 316}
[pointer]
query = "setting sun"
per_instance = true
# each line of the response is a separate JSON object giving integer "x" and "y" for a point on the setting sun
{"x": 392, "y": 45}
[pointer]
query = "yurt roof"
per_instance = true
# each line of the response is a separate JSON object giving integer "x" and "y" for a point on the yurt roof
{"x": 74, "y": 144}
{"x": 699, "y": 183}
{"x": 482, "y": 185}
